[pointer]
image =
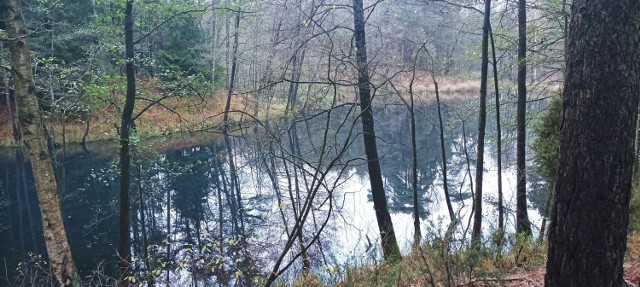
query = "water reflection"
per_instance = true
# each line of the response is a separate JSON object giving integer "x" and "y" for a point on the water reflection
{"x": 202, "y": 215}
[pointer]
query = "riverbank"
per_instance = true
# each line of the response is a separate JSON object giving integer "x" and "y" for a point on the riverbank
{"x": 172, "y": 116}
{"x": 189, "y": 114}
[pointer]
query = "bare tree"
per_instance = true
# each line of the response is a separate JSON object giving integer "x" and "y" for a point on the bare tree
{"x": 214, "y": 50}
{"x": 482, "y": 123}
{"x": 498, "y": 140}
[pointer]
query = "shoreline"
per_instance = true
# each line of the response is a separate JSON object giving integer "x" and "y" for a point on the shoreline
{"x": 188, "y": 116}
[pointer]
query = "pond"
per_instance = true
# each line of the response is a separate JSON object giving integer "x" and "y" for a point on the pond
{"x": 209, "y": 216}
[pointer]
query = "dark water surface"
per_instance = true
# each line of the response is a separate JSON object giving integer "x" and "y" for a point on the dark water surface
{"x": 210, "y": 223}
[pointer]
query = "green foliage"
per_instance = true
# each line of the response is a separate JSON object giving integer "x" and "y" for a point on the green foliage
{"x": 61, "y": 86}
{"x": 546, "y": 142}
{"x": 634, "y": 205}
{"x": 96, "y": 92}
{"x": 176, "y": 45}
{"x": 526, "y": 253}
{"x": 545, "y": 145}
{"x": 100, "y": 92}
{"x": 63, "y": 28}
{"x": 178, "y": 83}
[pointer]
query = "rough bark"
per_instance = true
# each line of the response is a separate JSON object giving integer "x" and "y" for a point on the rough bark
{"x": 522, "y": 219}
{"x": 35, "y": 144}
{"x": 387, "y": 234}
{"x": 482, "y": 124}
{"x": 590, "y": 212}
{"x": 124, "y": 251}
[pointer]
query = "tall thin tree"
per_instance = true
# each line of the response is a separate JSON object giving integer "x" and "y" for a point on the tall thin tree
{"x": 390, "y": 247}
{"x": 35, "y": 143}
{"x": 498, "y": 138}
{"x": 443, "y": 153}
{"x": 590, "y": 213}
{"x": 522, "y": 219}
{"x": 235, "y": 188}
{"x": 124, "y": 245}
{"x": 482, "y": 124}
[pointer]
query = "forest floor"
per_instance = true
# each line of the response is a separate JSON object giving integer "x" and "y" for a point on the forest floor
{"x": 524, "y": 267}
{"x": 535, "y": 278}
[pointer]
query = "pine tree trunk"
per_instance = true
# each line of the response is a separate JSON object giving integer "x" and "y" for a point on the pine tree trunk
{"x": 522, "y": 219}
{"x": 387, "y": 234}
{"x": 482, "y": 124}
{"x": 498, "y": 141}
{"x": 35, "y": 143}
{"x": 590, "y": 212}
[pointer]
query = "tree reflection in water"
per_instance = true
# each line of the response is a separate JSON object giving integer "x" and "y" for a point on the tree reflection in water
{"x": 189, "y": 225}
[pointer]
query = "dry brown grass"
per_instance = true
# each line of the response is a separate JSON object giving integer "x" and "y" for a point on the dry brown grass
{"x": 422, "y": 83}
{"x": 451, "y": 89}
{"x": 517, "y": 268}
{"x": 172, "y": 116}
{"x": 176, "y": 115}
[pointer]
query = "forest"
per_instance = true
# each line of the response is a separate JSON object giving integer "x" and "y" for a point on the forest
{"x": 319, "y": 143}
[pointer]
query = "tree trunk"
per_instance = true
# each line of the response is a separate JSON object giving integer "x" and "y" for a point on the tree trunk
{"x": 387, "y": 234}
{"x": 234, "y": 183}
{"x": 588, "y": 231}
{"x": 124, "y": 251}
{"x": 443, "y": 153}
{"x": 143, "y": 220}
{"x": 169, "y": 240}
{"x": 417, "y": 232}
{"x": 522, "y": 219}
{"x": 498, "y": 141}
{"x": 214, "y": 43}
{"x": 292, "y": 99}
{"x": 482, "y": 124}
{"x": 234, "y": 63}
{"x": 468, "y": 166}
{"x": 547, "y": 209}
{"x": 266, "y": 78}
{"x": 35, "y": 143}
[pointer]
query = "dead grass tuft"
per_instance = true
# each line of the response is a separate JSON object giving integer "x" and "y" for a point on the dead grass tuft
{"x": 172, "y": 116}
